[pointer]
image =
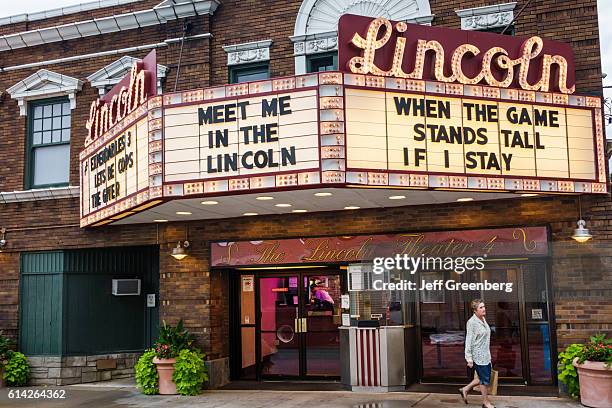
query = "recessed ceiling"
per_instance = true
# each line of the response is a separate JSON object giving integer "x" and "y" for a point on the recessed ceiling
{"x": 238, "y": 205}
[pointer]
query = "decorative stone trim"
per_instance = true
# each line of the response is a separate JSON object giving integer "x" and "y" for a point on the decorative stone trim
{"x": 112, "y": 73}
{"x": 39, "y": 194}
{"x": 81, "y": 369}
{"x": 218, "y": 373}
{"x": 482, "y": 18}
{"x": 247, "y": 53}
{"x": 314, "y": 44}
{"x": 44, "y": 84}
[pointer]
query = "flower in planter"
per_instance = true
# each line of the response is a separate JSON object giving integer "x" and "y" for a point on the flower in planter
{"x": 597, "y": 350}
{"x": 172, "y": 340}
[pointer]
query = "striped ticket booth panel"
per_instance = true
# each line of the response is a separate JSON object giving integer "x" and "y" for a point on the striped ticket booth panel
{"x": 377, "y": 358}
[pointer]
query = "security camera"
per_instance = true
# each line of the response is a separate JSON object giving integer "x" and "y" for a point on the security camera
{"x": 2, "y": 243}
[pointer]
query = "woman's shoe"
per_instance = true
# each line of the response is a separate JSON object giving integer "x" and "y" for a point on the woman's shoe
{"x": 463, "y": 395}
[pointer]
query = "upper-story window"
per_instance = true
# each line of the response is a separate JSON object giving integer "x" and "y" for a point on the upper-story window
{"x": 48, "y": 156}
{"x": 248, "y": 73}
{"x": 322, "y": 62}
{"x": 47, "y": 99}
{"x": 248, "y": 61}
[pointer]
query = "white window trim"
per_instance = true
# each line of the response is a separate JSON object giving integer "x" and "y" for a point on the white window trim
{"x": 112, "y": 73}
{"x": 36, "y": 87}
{"x": 486, "y": 17}
{"x": 36, "y": 194}
{"x": 247, "y": 53}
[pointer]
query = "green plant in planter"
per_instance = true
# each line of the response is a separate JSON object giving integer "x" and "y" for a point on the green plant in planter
{"x": 5, "y": 347}
{"x": 189, "y": 372}
{"x": 147, "y": 378}
{"x": 567, "y": 372}
{"x": 598, "y": 349}
{"x": 16, "y": 369}
{"x": 172, "y": 339}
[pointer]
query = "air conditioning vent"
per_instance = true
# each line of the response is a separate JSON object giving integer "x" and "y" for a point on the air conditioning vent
{"x": 126, "y": 287}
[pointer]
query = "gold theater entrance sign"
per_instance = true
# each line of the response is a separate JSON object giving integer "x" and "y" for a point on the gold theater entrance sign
{"x": 337, "y": 130}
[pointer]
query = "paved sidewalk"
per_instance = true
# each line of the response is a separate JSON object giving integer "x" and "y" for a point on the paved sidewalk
{"x": 125, "y": 395}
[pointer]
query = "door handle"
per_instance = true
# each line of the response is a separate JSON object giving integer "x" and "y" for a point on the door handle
{"x": 304, "y": 325}
{"x": 296, "y": 323}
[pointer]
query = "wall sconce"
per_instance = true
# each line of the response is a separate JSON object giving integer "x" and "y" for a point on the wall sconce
{"x": 180, "y": 251}
{"x": 581, "y": 234}
{"x": 2, "y": 238}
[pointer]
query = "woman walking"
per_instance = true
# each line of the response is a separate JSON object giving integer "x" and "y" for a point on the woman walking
{"x": 477, "y": 353}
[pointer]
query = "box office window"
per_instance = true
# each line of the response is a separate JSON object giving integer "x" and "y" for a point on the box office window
{"x": 323, "y": 62}
{"x": 248, "y": 73}
{"x": 48, "y": 160}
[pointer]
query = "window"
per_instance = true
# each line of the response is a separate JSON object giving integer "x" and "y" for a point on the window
{"x": 323, "y": 62}
{"x": 498, "y": 30}
{"x": 247, "y": 73}
{"x": 48, "y": 158}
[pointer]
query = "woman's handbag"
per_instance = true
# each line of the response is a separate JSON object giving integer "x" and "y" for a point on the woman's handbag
{"x": 494, "y": 379}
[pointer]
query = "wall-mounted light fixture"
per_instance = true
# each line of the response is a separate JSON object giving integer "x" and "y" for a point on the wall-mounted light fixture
{"x": 180, "y": 251}
{"x": 581, "y": 234}
{"x": 2, "y": 238}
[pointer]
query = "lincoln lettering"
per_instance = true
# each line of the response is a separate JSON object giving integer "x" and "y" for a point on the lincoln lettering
{"x": 381, "y": 30}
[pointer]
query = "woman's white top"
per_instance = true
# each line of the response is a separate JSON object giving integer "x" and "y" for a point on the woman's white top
{"x": 477, "y": 341}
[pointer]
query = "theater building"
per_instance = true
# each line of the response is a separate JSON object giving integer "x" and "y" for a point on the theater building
{"x": 240, "y": 165}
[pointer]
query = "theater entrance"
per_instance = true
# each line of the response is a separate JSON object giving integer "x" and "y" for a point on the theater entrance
{"x": 521, "y": 343}
{"x": 288, "y": 325}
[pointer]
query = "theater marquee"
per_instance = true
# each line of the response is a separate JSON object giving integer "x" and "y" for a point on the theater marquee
{"x": 332, "y": 129}
{"x": 433, "y": 133}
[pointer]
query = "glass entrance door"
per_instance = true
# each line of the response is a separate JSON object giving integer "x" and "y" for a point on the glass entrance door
{"x": 322, "y": 316}
{"x": 443, "y": 317}
{"x": 295, "y": 333}
{"x": 279, "y": 326}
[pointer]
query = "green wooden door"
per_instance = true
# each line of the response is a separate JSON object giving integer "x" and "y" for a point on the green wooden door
{"x": 41, "y": 303}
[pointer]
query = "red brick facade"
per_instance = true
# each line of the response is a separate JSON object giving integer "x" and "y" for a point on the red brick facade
{"x": 582, "y": 274}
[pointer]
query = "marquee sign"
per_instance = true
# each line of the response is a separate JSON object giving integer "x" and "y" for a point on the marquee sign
{"x": 242, "y": 136}
{"x": 396, "y": 49}
{"x": 335, "y": 129}
{"x": 527, "y": 241}
{"x": 407, "y": 131}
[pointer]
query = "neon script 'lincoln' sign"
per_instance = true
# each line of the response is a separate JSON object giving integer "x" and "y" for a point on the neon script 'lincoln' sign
{"x": 105, "y": 114}
{"x": 496, "y": 68}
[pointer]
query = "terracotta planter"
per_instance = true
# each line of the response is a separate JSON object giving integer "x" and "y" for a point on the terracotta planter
{"x": 595, "y": 384}
{"x": 165, "y": 369}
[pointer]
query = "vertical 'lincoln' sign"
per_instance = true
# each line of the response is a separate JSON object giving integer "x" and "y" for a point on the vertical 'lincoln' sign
{"x": 396, "y": 49}
{"x": 131, "y": 92}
